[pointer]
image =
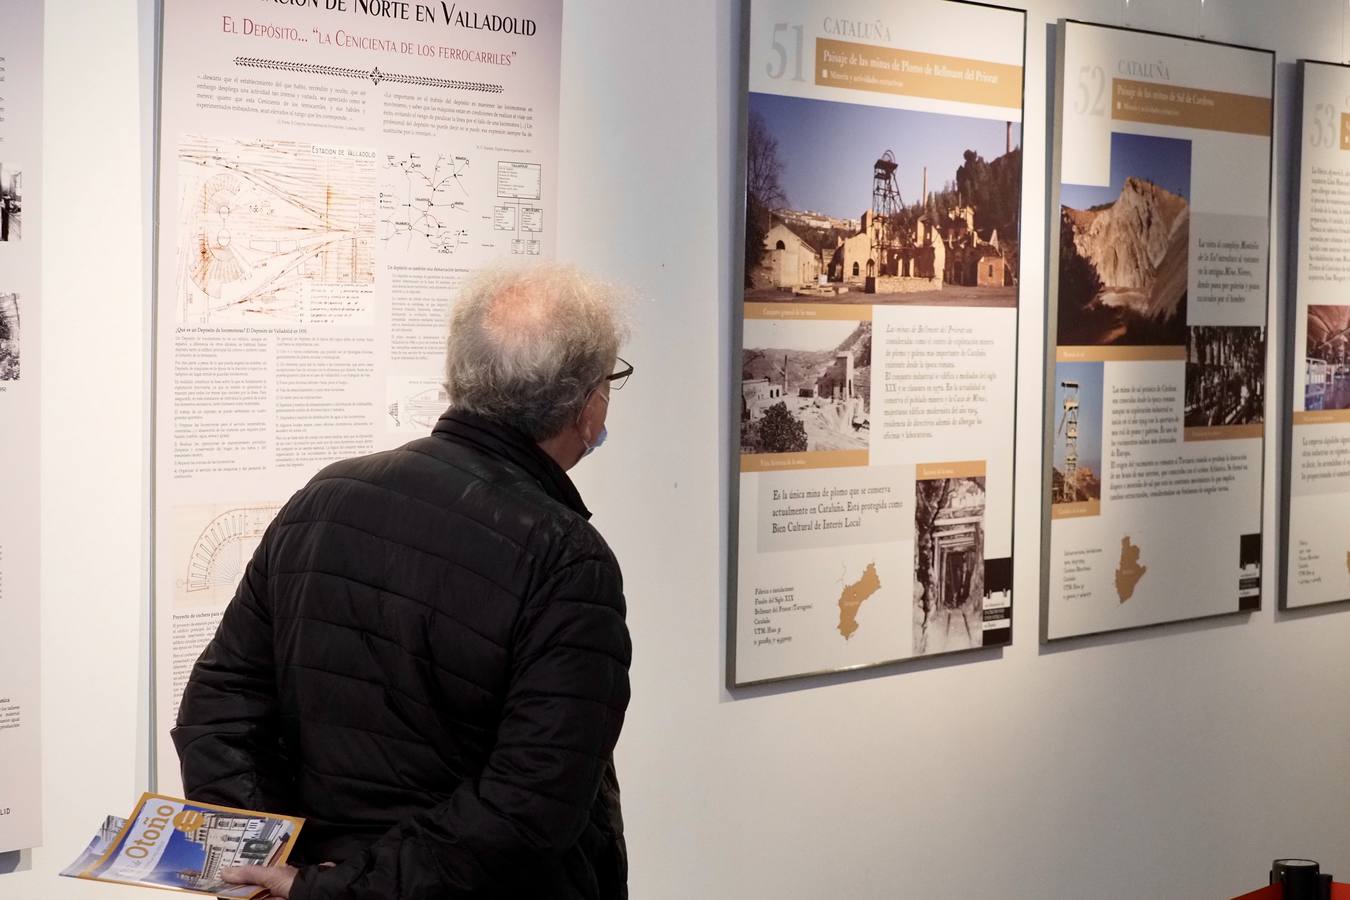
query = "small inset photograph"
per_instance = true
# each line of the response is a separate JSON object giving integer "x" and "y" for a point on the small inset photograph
{"x": 1077, "y": 458}
{"x": 1327, "y": 358}
{"x": 805, "y": 386}
{"x": 948, "y": 564}
{"x": 1249, "y": 575}
{"x": 11, "y": 203}
{"x": 847, "y": 203}
{"x": 1225, "y": 376}
{"x": 1124, "y": 248}
{"x": 9, "y": 337}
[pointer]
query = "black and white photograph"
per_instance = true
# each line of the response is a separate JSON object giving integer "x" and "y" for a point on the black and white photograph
{"x": 9, "y": 337}
{"x": 847, "y": 203}
{"x": 806, "y": 386}
{"x": 1225, "y": 376}
{"x": 11, "y": 202}
{"x": 948, "y": 564}
{"x": 1326, "y": 382}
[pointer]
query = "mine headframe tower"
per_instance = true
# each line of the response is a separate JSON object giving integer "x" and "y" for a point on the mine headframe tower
{"x": 888, "y": 209}
{"x": 1068, "y": 423}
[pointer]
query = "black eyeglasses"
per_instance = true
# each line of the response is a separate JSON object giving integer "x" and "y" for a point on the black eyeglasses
{"x": 620, "y": 378}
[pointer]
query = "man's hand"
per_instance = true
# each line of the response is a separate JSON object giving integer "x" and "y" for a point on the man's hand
{"x": 277, "y": 879}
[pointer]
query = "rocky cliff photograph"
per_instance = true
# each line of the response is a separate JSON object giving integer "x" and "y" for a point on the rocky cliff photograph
{"x": 1124, "y": 248}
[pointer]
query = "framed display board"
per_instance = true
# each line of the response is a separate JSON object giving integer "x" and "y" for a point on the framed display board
{"x": 1316, "y": 550}
{"x": 21, "y": 214}
{"x": 1156, "y": 349}
{"x": 328, "y": 174}
{"x": 873, "y": 445}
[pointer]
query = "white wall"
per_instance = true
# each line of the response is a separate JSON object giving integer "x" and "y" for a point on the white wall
{"x": 1173, "y": 763}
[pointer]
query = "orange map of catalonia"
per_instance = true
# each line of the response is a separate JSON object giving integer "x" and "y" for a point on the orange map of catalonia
{"x": 1129, "y": 571}
{"x": 853, "y": 596}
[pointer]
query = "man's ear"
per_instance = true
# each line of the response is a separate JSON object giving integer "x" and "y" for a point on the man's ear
{"x": 589, "y": 413}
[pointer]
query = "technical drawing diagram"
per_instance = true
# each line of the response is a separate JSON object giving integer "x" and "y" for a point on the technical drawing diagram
{"x": 11, "y": 203}
{"x": 9, "y": 337}
{"x": 212, "y": 545}
{"x": 424, "y": 203}
{"x": 275, "y": 232}
{"x": 520, "y": 183}
{"x": 414, "y": 404}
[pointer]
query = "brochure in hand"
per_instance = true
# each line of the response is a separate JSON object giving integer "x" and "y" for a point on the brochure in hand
{"x": 181, "y": 845}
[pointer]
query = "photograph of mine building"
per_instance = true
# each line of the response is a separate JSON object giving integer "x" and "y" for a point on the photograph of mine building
{"x": 806, "y": 386}
{"x": 920, "y": 208}
{"x": 1076, "y": 461}
{"x": 1225, "y": 376}
{"x": 11, "y": 203}
{"x": 948, "y": 564}
{"x": 1326, "y": 373}
{"x": 9, "y": 337}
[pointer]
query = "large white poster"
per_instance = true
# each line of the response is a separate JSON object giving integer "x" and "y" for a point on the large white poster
{"x": 20, "y": 335}
{"x": 1317, "y": 437}
{"x": 329, "y": 172}
{"x": 1155, "y": 394}
{"x": 878, "y": 354}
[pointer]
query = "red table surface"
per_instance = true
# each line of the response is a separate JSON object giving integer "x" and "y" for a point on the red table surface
{"x": 1276, "y": 892}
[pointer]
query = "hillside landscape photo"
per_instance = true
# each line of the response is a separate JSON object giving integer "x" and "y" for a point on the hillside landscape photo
{"x": 806, "y": 386}
{"x": 1124, "y": 248}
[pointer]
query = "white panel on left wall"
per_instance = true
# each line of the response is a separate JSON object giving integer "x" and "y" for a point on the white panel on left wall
{"x": 20, "y": 313}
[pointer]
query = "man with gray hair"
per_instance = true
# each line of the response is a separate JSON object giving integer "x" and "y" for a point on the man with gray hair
{"x": 427, "y": 656}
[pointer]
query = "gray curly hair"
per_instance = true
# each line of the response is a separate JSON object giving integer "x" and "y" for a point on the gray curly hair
{"x": 528, "y": 346}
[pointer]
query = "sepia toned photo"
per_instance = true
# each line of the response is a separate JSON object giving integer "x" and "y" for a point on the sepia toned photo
{"x": 1124, "y": 248}
{"x": 9, "y": 337}
{"x": 1326, "y": 383}
{"x": 948, "y": 564}
{"x": 11, "y": 203}
{"x": 1225, "y": 376}
{"x": 805, "y": 386}
{"x": 1077, "y": 458}
{"x": 863, "y": 204}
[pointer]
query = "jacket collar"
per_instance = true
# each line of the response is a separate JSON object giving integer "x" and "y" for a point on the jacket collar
{"x": 503, "y": 442}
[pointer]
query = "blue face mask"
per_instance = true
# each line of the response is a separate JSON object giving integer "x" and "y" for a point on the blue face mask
{"x": 599, "y": 439}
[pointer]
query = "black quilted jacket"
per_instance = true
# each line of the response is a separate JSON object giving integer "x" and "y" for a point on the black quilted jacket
{"x": 427, "y": 659}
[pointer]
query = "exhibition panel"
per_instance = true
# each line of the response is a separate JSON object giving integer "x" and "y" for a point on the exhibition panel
{"x": 882, "y": 253}
{"x": 21, "y": 34}
{"x": 1156, "y": 354}
{"x": 326, "y": 180}
{"x": 1316, "y": 552}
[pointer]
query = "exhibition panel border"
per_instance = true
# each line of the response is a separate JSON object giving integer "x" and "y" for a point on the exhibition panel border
{"x": 1315, "y": 438}
{"x": 325, "y": 181}
{"x": 1158, "y": 246}
{"x": 875, "y": 332}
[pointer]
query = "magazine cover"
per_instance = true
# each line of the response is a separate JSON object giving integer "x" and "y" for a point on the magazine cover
{"x": 107, "y": 833}
{"x": 179, "y": 845}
